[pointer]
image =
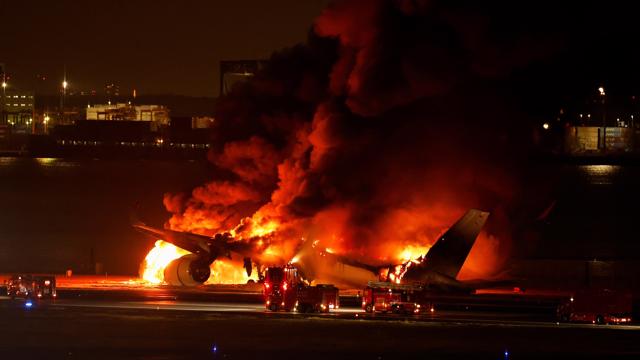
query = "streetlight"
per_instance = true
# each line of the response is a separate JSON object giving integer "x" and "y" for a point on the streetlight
{"x": 65, "y": 84}
{"x": 4, "y": 96}
{"x": 46, "y": 121}
{"x": 604, "y": 117}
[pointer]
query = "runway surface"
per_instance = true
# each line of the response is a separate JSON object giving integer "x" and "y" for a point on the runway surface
{"x": 471, "y": 317}
{"x": 80, "y": 329}
{"x": 536, "y": 309}
{"x": 231, "y": 322}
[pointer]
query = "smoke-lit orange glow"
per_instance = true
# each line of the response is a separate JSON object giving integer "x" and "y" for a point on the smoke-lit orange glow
{"x": 483, "y": 260}
{"x": 163, "y": 253}
{"x": 254, "y": 227}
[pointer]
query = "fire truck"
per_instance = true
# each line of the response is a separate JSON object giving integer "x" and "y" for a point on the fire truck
{"x": 382, "y": 296}
{"x": 597, "y": 306}
{"x": 285, "y": 289}
{"x": 31, "y": 286}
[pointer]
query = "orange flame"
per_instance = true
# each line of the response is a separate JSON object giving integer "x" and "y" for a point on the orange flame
{"x": 266, "y": 229}
{"x": 163, "y": 253}
{"x": 223, "y": 271}
{"x": 413, "y": 252}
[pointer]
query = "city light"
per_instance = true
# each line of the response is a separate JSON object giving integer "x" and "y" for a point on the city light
{"x": 4, "y": 84}
{"x": 601, "y": 90}
{"x": 65, "y": 84}
{"x": 545, "y": 126}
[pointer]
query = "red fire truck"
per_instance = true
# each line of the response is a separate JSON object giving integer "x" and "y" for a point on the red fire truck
{"x": 382, "y": 296}
{"x": 31, "y": 286}
{"x": 284, "y": 289}
{"x": 597, "y": 306}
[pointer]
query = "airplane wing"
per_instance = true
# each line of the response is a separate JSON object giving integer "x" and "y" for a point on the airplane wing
{"x": 194, "y": 243}
{"x": 213, "y": 247}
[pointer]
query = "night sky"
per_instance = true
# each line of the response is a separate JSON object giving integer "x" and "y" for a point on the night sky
{"x": 159, "y": 47}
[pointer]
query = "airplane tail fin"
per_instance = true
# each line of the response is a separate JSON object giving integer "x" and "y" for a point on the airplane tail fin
{"x": 449, "y": 253}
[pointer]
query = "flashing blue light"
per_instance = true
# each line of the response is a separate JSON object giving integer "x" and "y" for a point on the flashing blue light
{"x": 215, "y": 348}
{"x": 506, "y": 354}
{"x": 28, "y": 304}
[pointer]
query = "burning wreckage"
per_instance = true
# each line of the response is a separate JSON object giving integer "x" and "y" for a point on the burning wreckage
{"x": 368, "y": 139}
{"x": 187, "y": 259}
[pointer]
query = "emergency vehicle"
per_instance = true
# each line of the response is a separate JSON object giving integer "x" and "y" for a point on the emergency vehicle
{"x": 597, "y": 306}
{"x": 31, "y": 286}
{"x": 382, "y": 296}
{"x": 284, "y": 289}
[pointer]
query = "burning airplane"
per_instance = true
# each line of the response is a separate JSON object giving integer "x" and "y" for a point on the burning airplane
{"x": 186, "y": 258}
{"x": 373, "y": 138}
{"x": 437, "y": 269}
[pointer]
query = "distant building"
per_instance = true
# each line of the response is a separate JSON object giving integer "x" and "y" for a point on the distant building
{"x": 202, "y": 122}
{"x": 17, "y": 110}
{"x": 158, "y": 115}
{"x": 582, "y": 140}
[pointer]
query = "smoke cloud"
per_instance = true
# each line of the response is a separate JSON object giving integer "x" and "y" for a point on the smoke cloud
{"x": 378, "y": 133}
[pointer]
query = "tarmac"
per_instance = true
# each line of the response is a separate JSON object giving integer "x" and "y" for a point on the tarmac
{"x": 230, "y": 322}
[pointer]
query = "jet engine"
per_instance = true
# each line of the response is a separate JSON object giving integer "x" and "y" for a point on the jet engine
{"x": 189, "y": 270}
